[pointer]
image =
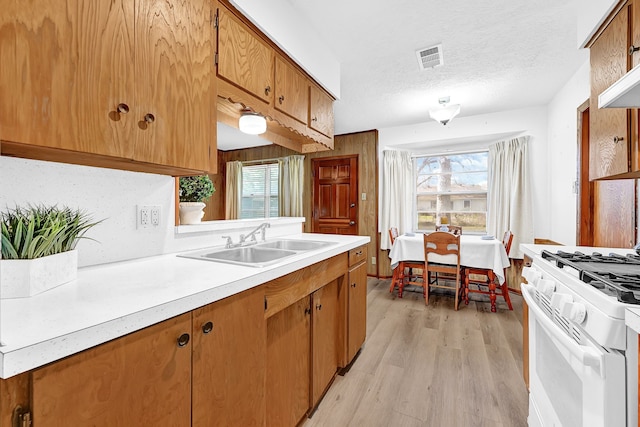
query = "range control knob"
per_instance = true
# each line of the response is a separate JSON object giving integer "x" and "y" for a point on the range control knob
{"x": 558, "y": 301}
{"x": 574, "y": 311}
{"x": 546, "y": 287}
{"x": 532, "y": 276}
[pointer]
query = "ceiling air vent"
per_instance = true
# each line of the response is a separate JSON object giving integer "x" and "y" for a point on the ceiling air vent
{"x": 430, "y": 57}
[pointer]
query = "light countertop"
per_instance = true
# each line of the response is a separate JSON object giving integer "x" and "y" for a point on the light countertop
{"x": 111, "y": 300}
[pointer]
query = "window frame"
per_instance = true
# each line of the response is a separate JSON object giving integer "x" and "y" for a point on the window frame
{"x": 415, "y": 211}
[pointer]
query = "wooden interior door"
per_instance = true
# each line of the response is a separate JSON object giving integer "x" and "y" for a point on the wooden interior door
{"x": 335, "y": 195}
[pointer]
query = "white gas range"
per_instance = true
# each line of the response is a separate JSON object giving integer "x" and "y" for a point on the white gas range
{"x": 583, "y": 365}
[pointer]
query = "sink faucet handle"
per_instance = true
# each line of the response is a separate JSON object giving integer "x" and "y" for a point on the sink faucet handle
{"x": 229, "y": 241}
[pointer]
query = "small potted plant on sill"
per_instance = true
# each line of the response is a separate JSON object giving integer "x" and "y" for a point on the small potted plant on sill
{"x": 193, "y": 191}
{"x": 38, "y": 248}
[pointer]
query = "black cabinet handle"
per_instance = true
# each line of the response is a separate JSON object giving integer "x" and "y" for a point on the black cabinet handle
{"x": 319, "y": 307}
{"x": 353, "y": 285}
{"x": 207, "y": 327}
{"x": 149, "y": 118}
{"x": 123, "y": 108}
{"x": 183, "y": 340}
{"x": 267, "y": 90}
{"x": 307, "y": 310}
{"x": 633, "y": 49}
{"x": 617, "y": 139}
{"x": 281, "y": 98}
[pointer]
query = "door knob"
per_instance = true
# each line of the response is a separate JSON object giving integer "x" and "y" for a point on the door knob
{"x": 352, "y": 223}
{"x": 352, "y": 205}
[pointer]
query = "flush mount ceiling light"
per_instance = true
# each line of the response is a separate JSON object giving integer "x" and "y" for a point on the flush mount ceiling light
{"x": 252, "y": 123}
{"x": 445, "y": 113}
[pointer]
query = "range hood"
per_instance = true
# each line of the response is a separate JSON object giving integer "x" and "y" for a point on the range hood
{"x": 625, "y": 93}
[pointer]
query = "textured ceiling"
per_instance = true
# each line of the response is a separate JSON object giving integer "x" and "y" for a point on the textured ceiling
{"x": 498, "y": 55}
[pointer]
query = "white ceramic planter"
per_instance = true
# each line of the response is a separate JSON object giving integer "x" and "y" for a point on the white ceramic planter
{"x": 191, "y": 212}
{"x": 21, "y": 278}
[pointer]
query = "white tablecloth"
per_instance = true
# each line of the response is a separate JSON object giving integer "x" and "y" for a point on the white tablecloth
{"x": 474, "y": 252}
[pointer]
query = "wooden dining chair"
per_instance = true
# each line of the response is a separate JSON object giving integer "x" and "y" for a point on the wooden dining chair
{"x": 455, "y": 229}
{"x": 403, "y": 274}
{"x": 442, "y": 255}
{"x": 486, "y": 281}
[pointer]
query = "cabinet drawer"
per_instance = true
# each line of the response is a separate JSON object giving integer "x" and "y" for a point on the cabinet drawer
{"x": 284, "y": 291}
{"x": 357, "y": 255}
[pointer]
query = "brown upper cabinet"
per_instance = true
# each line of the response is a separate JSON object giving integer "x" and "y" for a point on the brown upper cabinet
{"x": 122, "y": 84}
{"x": 292, "y": 97}
{"x": 254, "y": 73}
{"x": 244, "y": 59}
{"x": 320, "y": 111}
{"x": 613, "y": 147}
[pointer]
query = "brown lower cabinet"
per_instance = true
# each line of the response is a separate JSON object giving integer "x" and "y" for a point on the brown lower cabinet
{"x": 137, "y": 380}
{"x": 265, "y": 356}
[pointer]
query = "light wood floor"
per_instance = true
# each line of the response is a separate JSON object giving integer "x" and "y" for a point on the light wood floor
{"x": 431, "y": 366}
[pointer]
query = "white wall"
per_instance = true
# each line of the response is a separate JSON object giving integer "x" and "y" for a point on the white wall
{"x": 112, "y": 195}
{"x": 466, "y": 133}
{"x": 563, "y": 154}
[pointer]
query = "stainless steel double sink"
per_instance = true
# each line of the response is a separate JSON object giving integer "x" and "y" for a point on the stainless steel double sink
{"x": 260, "y": 254}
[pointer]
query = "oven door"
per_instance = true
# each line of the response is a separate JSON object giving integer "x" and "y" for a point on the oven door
{"x": 571, "y": 384}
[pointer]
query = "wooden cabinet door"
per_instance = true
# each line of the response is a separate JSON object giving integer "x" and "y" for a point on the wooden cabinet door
{"x": 141, "y": 379}
{"x": 174, "y": 112}
{"x": 325, "y": 345}
{"x": 608, "y": 127}
{"x": 613, "y": 213}
{"x": 357, "y": 319}
{"x": 288, "y": 364}
{"x": 229, "y": 367}
{"x": 291, "y": 95}
{"x": 243, "y": 58}
{"x": 64, "y": 68}
{"x": 320, "y": 111}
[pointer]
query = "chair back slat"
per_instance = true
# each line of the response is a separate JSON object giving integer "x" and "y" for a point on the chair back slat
{"x": 393, "y": 233}
{"x": 507, "y": 239}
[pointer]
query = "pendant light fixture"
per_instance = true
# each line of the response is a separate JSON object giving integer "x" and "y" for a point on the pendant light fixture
{"x": 445, "y": 113}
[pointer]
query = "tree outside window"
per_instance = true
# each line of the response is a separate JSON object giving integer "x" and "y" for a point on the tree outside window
{"x": 456, "y": 184}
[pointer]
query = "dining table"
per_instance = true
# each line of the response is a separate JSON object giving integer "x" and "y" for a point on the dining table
{"x": 475, "y": 251}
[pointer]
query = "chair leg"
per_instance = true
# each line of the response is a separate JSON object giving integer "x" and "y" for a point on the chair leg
{"x": 400, "y": 279}
{"x": 457, "y": 295}
{"x": 505, "y": 294}
{"x": 425, "y": 286}
{"x": 394, "y": 279}
{"x": 466, "y": 288}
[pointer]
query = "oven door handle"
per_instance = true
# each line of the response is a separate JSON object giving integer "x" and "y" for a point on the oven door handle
{"x": 586, "y": 355}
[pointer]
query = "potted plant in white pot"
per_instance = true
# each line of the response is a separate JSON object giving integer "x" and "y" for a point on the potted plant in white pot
{"x": 38, "y": 248}
{"x": 194, "y": 190}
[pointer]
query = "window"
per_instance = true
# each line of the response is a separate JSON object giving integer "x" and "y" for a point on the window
{"x": 452, "y": 185}
{"x": 259, "y": 191}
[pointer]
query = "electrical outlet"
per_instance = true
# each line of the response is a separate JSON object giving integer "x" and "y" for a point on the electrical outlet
{"x": 373, "y": 260}
{"x": 155, "y": 215}
{"x": 148, "y": 216}
{"x": 143, "y": 217}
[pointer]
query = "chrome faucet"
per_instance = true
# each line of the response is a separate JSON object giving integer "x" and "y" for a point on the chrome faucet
{"x": 261, "y": 228}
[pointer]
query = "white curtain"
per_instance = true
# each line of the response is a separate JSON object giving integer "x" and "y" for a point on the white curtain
{"x": 510, "y": 206}
{"x": 291, "y": 171}
{"x": 397, "y": 194}
{"x": 234, "y": 190}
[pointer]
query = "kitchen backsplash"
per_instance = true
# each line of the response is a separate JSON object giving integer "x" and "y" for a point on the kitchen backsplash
{"x": 112, "y": 195}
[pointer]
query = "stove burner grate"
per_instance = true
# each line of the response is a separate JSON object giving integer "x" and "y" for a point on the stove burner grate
{"x": 613, "y": 274}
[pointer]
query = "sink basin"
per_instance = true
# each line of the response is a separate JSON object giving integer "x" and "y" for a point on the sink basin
{"x": 250, "y": 256}
{"x": 295, "y": 245}
{"x": 257, "y": 255}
